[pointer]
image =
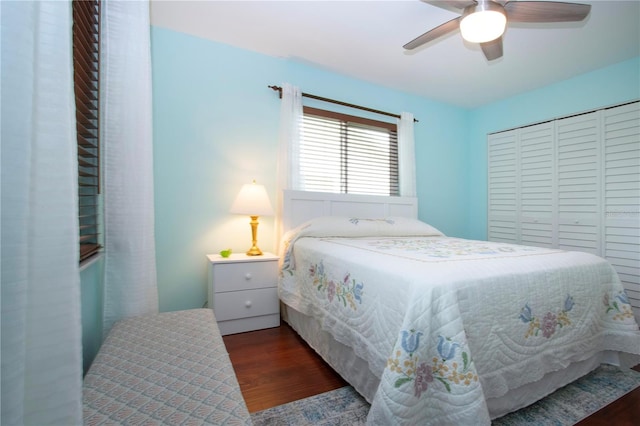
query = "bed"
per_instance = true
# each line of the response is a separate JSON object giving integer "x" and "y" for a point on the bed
{"x": 438, "y": 330}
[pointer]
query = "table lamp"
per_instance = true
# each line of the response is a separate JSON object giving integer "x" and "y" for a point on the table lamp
{"x": 253, "y": 200}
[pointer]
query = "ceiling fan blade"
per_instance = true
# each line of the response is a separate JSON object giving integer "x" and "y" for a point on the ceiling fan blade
{"x": 433, "y": 34}
{"x": 492, "y": 49}
{"x": 452, "y": 5}
{"x": 545, "y": 11}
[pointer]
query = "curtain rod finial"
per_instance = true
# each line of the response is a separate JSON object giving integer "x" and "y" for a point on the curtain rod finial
{"x": 276, "y": 88}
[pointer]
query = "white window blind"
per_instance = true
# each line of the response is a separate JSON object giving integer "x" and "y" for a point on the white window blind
{"x": 341, "y": 153}
{"x": 86, "y": 65}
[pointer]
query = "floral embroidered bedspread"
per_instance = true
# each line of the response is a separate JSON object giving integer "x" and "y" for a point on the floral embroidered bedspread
{"x": 447, "y": 323}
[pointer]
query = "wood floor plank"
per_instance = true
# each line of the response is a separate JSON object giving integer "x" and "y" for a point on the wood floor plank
{"x": 275, "y": 366}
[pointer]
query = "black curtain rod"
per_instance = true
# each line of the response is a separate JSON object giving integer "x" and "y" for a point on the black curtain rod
{"x": 333, "y": 101}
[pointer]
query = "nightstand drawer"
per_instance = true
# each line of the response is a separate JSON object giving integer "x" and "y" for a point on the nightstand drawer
{"x": 245, "y": 276}
{"x": 246, "y": 303}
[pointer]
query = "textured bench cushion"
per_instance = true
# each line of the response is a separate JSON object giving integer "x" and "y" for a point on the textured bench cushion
{"x": 169, "y": 368}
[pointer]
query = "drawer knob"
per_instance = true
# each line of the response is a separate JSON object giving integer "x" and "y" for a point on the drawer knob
{"x": 247, "y": 276}
{"x": 247, "y": 303}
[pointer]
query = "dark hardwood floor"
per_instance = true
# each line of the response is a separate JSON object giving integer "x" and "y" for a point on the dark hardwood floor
{"x": 275, "y": 366}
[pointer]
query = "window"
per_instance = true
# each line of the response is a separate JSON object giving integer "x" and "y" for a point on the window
{"x": 346, "y": 154}
{"x": 86, "y": 55}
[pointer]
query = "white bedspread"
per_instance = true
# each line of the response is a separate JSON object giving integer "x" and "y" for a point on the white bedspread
{"x": 447, "y": 323}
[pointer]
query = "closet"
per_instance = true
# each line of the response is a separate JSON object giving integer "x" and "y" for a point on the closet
{"x": 572, "y": 183}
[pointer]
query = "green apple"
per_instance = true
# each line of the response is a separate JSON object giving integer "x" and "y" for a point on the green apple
{"x": 225, "y": 253}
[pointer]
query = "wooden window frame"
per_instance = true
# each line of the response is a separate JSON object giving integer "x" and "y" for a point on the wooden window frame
{"x": 349, "y": 120}
{"x": 86, "y": 66}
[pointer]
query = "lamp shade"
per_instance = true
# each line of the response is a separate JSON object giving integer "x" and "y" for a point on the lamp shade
{"x": 252, "y": 200}
{"x": 483, "y": 22}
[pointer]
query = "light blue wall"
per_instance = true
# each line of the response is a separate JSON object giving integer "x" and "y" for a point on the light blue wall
{"x": 91, "y": 310}
{"x": 216, "y": 128}
{"x": 601, "y": 88}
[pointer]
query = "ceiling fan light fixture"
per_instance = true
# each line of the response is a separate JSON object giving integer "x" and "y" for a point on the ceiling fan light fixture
{"x": 483, "y": 22}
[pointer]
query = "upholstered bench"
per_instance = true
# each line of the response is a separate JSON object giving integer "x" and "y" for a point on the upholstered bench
{"x": 169, "y": 368}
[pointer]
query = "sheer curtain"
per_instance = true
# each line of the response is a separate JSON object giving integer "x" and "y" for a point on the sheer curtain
{"x": 130, "y": 286}
{"x": 406, "y": 155}
{"x": 41, "y": 327}
{"x": 288, "y": 149}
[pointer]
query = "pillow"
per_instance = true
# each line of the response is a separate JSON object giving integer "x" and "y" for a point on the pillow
{"x": 340, "y": 226}
{"x": 350, "y": 227}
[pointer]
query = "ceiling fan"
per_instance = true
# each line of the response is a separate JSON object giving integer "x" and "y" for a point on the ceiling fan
{"x": 484, "y": 21}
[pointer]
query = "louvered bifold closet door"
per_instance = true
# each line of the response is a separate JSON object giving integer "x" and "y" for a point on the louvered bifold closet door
{"x": 622, "y": 196}
{"x": 503, "y": 187}
{"x": 578, "y": 182}
{"x": 537, "y": 185}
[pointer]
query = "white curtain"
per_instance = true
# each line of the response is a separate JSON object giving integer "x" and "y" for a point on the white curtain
{"x": 130, "y": 286}
{"x": 406, "y": 155}
{"x": 41, "y": 326}
{"x": 288, "y": 167}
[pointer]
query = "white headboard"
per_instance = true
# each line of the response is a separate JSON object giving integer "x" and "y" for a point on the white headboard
{"x": 301, "y": 206}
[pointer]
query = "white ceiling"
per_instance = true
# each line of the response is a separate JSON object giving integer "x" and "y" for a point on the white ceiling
{"x": 364, "y": 39}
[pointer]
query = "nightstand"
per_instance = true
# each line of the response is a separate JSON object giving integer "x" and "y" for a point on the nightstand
{"x": 243, "y": 292}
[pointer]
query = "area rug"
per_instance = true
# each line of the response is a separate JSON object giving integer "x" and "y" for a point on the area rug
{"x": 566, "y": 406}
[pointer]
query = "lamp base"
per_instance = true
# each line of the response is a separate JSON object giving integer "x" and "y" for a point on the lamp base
{"x": 254, "y": 251}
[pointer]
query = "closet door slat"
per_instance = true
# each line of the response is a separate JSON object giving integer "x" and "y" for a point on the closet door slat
{"x": 621, "y": 173}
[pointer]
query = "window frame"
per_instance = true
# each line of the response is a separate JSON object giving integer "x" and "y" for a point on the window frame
{"x": 86, "y": 66}
{"x": 352, "y": 120}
